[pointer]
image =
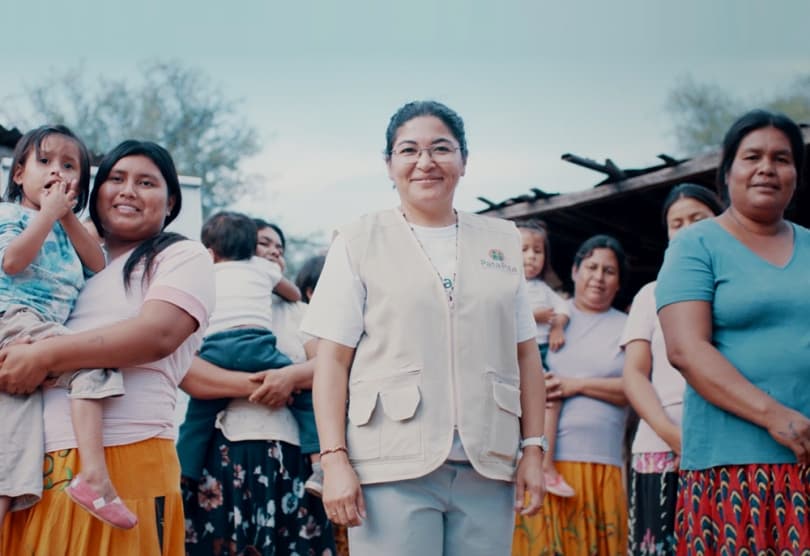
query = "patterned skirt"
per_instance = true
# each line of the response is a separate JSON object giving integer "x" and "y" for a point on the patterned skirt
{"x": 756, "y": 509}
{"x": 251, "y": 502}
{"x": 147, "y": 477}
{"x": 592, "y": 523}
{"x": 653, "y": 500}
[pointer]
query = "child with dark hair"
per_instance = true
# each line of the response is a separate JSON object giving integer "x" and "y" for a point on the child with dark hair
{"x": 46, "y": 255}
{"x": 239, "y": 335}
{"x": 551, "y": 314}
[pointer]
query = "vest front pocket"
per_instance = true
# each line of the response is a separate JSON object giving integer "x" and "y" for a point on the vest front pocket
{"x": 388, "y": 429}
{"x": 401, "y": 433}
{"x": 362, "y": 436}
{"x": 504, "y": 436}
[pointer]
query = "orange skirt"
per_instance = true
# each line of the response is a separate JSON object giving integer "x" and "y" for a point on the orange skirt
{"x": 147, "y": 477}
{"x": 592, "y": 523}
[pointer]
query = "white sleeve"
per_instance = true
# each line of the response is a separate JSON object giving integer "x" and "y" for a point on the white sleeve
{"x": 556, "y": 302}
{"x": 640, "y": 323}
{"x": 336, "y": 309}
{"x": 270, "y": 268}
{"x": 525, "y": 327}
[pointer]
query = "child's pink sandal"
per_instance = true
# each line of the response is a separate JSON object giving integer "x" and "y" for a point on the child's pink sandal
{"x": 113, "y": 513}
{"x": 555, "y": 484}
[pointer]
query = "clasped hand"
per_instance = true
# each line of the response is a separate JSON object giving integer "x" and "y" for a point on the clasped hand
{"x": 275, "y": 388}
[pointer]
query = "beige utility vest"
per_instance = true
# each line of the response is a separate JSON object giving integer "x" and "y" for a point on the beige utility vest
{"x": 420, "y": 367}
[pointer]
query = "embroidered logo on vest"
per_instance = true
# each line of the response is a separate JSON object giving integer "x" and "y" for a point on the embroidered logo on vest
{"x": 497, "y": 262}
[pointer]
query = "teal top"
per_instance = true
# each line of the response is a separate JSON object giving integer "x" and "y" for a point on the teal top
{"x": 51, "y": 283}
{"x": 761, "y": 324}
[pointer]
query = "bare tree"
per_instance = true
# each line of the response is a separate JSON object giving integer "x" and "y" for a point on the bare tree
{"x": 703, "y": 112}
{"x": 176, "y": 106}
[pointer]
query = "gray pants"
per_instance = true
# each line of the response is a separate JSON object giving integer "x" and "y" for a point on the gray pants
{"x": 452, "y": 511}
{"x": 21, "y": 428}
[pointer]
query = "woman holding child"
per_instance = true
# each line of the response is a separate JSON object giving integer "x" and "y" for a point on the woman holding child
{"x": 585, "y": 374}
{"x": 245, "y": 492}
{"x": 144, "y": 314}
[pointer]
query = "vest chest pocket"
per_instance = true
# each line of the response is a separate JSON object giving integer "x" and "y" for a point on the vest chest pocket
{"x": 387, "y": 432}
{"x": 504, "y": 436}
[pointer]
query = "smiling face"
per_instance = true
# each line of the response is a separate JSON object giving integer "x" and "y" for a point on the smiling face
{"x": 56, "y": 160}
{"x": 268, "y": 245}
{"x": 423, "y": 183}
{"x": 133, "y": 201}
{"x": 596, "y": 281}
{"x": 762, "y": 177}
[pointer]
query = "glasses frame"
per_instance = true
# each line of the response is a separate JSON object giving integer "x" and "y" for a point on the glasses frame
{"x": 430, "y": 150}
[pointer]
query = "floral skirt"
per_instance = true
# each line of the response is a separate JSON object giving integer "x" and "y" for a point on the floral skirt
{"x": 147, "y": 477}
{"x": 653, "y": 499}
{"x": 591, "y": 523}
{"x": 251, "y": 502}
{"x": 756, "y": 509}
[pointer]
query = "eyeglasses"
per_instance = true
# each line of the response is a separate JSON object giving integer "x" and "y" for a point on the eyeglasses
{"x": 437, "y": 153}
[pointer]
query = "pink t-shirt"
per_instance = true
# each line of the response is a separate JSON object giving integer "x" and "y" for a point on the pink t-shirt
{"x": 184, "y": 276}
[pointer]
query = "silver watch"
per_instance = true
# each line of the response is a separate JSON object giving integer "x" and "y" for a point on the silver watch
{"x": 540, "y": 441}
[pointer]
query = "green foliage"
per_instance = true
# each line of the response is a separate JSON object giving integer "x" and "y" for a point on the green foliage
{"x": 176, "y": 106}
{"x": 703, "y": 112}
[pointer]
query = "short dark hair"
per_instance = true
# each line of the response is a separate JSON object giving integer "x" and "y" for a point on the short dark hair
{"x": 307, "y": 277}
{"x": 262, "y": 224}
{"x": 699, "y": 193}
{"x": 602, "y": 241}
{"x": 230, "y": 235}
{"x": 752, "y": 121}
{"x": 539, "y": 227}
{"x": 419, "y": 108}
{"x": 32, "y": 141}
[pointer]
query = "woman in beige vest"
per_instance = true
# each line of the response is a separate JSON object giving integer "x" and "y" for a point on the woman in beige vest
{"x": 426, "y": 332}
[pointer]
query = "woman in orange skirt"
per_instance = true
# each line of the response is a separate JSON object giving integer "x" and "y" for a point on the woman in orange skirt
{"x": 586, "y": 374}
{"x": 148, "y": 325}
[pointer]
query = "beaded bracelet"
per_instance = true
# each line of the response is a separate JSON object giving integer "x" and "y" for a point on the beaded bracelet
{"x": 335, "y": 450}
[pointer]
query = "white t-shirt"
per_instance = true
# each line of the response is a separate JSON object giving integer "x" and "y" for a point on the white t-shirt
{"x": 540, "y": 296}
{"x": 243, "y": 420}
{"x": 342, "y": 297}
{"x": 669, "y": 384}
{"x": 244, "y": 291}
{"x": 183, "y": 275}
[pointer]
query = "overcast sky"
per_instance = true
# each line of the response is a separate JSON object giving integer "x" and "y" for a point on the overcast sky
{"x": 531, "y": 79}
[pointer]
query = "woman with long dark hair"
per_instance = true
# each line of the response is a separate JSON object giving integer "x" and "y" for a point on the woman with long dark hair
{"x": 732, "y": 299}
{"x": 144, "y": 314}
{"x": 655, "y": 390}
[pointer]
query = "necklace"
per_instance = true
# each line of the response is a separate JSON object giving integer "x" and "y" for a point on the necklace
{"x": 449, "y": 284}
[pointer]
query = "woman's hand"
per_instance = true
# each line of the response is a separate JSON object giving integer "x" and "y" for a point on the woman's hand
{"x": 791, "y": 429}
{"x": 559, "y": 388}
{"x": 21, "y": 370}
{"x": 275, "y": 388}
{"x": 529, "y": 481}
{"x": 342, "y": 495}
